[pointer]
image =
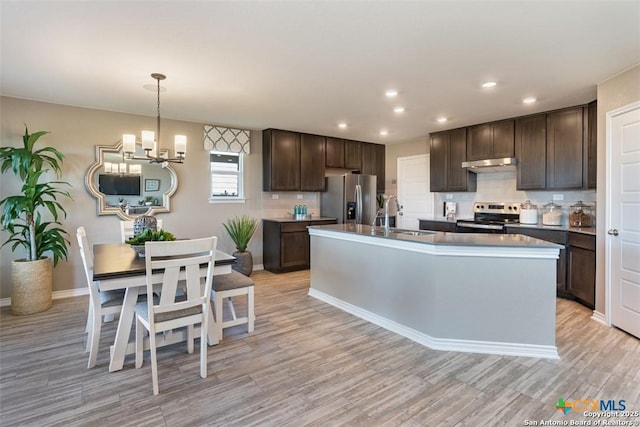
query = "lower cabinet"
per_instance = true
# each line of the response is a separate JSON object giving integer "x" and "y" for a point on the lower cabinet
{"x": 559, "y": 237}
{"x": 581, "y": 277}
{"x": 286, "y": 244}
{"x": 436, "y": 225}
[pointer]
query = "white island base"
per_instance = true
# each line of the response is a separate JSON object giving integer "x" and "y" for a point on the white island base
{"x": 472, "y": 293}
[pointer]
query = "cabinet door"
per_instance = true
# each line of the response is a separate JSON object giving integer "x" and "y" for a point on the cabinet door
{"x": 368, "y": 158}
{"x": 531, "y": 152}
{"x": 334, "y": 153}
{"x": 564, "y": 149}
{"x": 503, "y": 139}
{"x": 581, "y": 281}
{"x": 437, "y": 226}
{"x": 373, "y": 163}
{"x": 438, "y": 147}
{"x": 294, "y": 250}
{"x": 480, "y": 142}
{"x": 592, "y": 144}
{"x": 281, "y": 160}
{"x": 352, "y": 154}
{"x": 457, "y": 177}
{"x": 380, "y": 159}
{"x": 312, "y": 158}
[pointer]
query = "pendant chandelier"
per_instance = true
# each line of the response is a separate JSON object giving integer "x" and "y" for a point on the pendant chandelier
{"x": 151, "y": 141}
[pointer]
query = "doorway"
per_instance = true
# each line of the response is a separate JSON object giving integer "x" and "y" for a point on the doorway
{"x": 623, "y": 218}
{"x": 413, "y": 190}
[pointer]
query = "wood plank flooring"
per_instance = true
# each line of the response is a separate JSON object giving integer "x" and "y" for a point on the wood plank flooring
{"x": 307, "y": 363}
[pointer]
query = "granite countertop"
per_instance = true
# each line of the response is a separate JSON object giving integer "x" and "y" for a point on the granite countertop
{"x": 440, "y": 238}
{"x": 584, "y": 230}
{"x": 289, "y": 219}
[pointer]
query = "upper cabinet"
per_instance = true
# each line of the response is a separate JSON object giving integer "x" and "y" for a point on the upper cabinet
{"x": 312, "y": 160}
{"x": 373, "y": 163}
{"x": 557, "y": 150}
{"x": 352, "y": 154}
{"x": 448, "y": 150}
{"x": 280, "y": 160}
{"x": 334, "y": 152}
{"x": 491, "y": 140}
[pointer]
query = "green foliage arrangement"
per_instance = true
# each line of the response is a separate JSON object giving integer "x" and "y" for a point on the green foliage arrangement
{"x": 21, "y": 214}
{"x": 148, "y": 235}
{"x": 241, "y": 230}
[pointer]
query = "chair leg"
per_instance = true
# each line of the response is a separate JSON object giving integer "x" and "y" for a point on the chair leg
{"x": 94, "y": 337}
{"x": 250, "y": 312}
{"x": 154, "y": 361}
{"x": 219, "y": 316}
{"x": 89, "y": 316}
{"x": 139, "y": 343}
{"x": 203, "y": 343}
{"x": 190, "y": 339}
{"x": 231, "y": 308}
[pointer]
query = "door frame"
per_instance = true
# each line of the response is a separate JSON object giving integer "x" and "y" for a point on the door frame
{"x": 608, "y": 204}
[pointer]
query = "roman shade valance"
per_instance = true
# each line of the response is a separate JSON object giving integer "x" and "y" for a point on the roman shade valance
{"x": 227, "y": 139}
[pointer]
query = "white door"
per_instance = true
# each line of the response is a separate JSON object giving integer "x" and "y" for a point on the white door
{"x": 413, "y": 190}
{"x": 623, "y": 205}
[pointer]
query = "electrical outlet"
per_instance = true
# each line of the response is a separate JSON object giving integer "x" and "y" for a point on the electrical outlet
{"x": 558, "y": 197}
{"x": 275, "y": 196}
{"x": 300, "y": 196}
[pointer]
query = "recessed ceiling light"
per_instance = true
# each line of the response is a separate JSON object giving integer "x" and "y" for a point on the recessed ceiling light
{"x": 391, "y": 93}
{"x": 529, "y": 100}
{"x": 442, "y": 119}
{"x": 342, "y": 125}
{"x": 384, "y": 132}
{"x": 488, "y": 84}
{"x": 398, "y": 110}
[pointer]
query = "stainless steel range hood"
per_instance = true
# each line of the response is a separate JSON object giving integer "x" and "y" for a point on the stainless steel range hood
{"x": 491, "y": 165}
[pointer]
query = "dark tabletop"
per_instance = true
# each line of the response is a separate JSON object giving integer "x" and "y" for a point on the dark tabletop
{"x": 112, "y": 260}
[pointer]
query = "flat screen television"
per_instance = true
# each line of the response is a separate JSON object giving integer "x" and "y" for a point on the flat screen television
{"x": 119, "y": 185}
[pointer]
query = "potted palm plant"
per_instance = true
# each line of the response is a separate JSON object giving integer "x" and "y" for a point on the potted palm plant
{"x": 241, "y": 230}
{"x": 32, "y": 276}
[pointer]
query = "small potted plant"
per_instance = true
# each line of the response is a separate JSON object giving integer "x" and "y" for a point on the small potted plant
{"x": 241, "y": 230}
{"x": 32, "y": 276}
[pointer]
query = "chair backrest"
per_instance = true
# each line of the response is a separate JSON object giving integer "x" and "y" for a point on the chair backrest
{"x": 87, "y": 262}
{"x": 126, "y": 229}
{"x": 170, "y": 258}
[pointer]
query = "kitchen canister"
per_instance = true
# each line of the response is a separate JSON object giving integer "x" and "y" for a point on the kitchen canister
{"x": 552, "y": 214}
{"x": 581, "y": 215}
{"x": 528, "y": 213}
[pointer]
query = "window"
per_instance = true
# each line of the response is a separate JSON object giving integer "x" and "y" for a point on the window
{"x": 226, "y": 176}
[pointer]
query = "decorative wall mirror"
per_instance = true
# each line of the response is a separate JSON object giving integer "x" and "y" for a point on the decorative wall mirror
{"x": 130, "y": 188}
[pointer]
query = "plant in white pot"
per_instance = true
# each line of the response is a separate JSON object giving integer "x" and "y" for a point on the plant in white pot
{"x": 241, "y": 230}
{"x": 32, "y": 276}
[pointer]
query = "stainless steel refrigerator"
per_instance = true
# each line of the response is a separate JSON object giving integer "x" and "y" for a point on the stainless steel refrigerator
{"x": 351, "y": 198}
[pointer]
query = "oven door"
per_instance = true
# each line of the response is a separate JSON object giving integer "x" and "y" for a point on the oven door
{"x": 473, "y": 227}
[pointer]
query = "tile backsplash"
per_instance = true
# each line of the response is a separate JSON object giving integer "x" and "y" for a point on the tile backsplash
{"x": 501, "y": 187}
{"x": 282, "y": 206}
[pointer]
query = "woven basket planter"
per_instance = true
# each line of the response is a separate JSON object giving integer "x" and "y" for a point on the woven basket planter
{"x": 31, "y": 291}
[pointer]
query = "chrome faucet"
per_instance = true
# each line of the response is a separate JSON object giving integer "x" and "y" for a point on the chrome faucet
{"x": 386, "y": 211}
{"x": 379, "y": 213}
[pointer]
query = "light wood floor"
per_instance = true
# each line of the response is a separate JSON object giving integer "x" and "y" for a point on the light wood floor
{"x": 307, "y": 363}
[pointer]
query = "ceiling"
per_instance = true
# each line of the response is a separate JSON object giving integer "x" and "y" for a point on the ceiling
{"x": 308, "y": 65}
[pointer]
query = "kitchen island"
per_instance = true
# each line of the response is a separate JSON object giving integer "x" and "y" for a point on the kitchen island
{"x": 482, "y": 293}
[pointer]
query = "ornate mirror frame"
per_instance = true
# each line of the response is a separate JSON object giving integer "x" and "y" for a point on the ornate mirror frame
{"x": 103, "y": 208}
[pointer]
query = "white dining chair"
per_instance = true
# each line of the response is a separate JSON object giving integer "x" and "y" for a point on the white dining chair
{"x": 226, "y": 286}
{"x": 126, "y": 229}
{"x": 100, "y": 303}
{"x": 173, "y": 309}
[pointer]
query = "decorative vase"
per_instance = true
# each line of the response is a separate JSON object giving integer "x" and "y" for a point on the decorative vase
{"x": 32, "y": 282}
{"x": 144, "y": 221}
{"x": 244, "y": 262}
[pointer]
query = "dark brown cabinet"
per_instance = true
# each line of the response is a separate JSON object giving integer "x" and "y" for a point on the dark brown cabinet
{"x": 559, "y": 237}
{"x": 286, "y": 244}
{"x": 531, "y": 152}
{"x": 352, "y": 154}
{"x": 312, "y": 162}
{"x": 592, "y": 145}
{"x": 334, "y": 153}
{"x": 565, "y": 149}
{"x": 581, "y": 274}
{"x": 491, "y": 140}
{"x": 448, "y": 149}
{"x": 436, "y": 225}
{"x": 292, "y": 161}
{"x": 373, "y": 163}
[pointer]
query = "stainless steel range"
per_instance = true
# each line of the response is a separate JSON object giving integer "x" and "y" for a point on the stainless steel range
{"x": 490, "y": 217}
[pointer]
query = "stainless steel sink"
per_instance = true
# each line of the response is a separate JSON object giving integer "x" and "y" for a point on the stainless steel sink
{"x": 410, "y": 232}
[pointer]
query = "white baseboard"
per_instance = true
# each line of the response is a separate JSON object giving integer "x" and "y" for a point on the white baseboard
{"x": 444, "y": 344}
{"x": 599, "y": 317}
{"x": 69, "y": 293}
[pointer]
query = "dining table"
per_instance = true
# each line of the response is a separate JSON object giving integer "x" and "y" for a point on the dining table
{"x": 118, "y": 266}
